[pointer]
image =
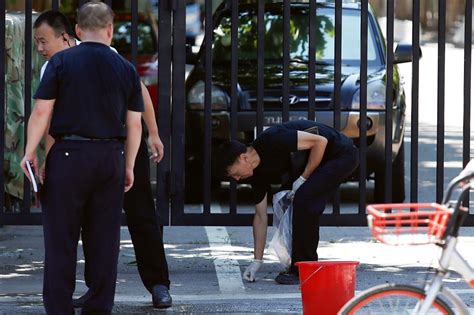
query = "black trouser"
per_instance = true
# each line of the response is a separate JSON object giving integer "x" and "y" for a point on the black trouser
{"x": 143, "y": 225}
{"x": 83, "y": 186}
{"x": 310, "y": 201}
{"x": 142, "y": 222}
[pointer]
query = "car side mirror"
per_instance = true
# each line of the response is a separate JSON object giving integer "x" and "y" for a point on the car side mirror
{"x": 191, "y": 56}
{"x": 403, "y": 53}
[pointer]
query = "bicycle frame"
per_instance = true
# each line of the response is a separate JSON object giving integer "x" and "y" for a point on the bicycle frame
{"x": 435, "y": 294}
{"x": 450, "y": 258}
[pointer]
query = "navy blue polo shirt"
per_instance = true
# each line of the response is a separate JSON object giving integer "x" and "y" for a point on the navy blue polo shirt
{"x": 93, "y": 87}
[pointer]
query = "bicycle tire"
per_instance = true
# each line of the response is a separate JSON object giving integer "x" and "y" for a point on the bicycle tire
{"x": 375, "y": 300}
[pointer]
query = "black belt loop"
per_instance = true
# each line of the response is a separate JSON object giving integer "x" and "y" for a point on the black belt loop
{"x": 81, "y": 138}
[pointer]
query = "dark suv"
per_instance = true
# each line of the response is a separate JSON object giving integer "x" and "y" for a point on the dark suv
{"x": 298, "y": 76}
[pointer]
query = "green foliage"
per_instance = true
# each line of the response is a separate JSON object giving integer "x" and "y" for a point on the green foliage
{"x": 273, "y": 40}
{"x": 68, "y": 6}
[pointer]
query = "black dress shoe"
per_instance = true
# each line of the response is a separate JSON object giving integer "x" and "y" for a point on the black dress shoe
{"x": 79, "y": 302}
{"x": 287, "y": 278}
{"x": 161, "y": 297}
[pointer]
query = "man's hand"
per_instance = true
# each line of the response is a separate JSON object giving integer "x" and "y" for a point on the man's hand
{"x": 156, "y": 147}
{"x": 297, "y": 183}
{"x": 128, "y": 179}
{"x": 251, "y": 270}
{"x": 37, "y": 126}
{"x": 34, "y": 160}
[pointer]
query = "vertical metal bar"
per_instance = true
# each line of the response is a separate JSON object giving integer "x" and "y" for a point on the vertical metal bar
{"x": 467, "y": 87}
{"x": 337, "y": 86}
{"x": 312, "y": 60}
{"x": 286, "y": 60}
{"x": 134, "y": 31}
{"x": 55, "y": 5}
{"x": 441, "y": 87}
{"x": 233, "y": 92}
{"x": 414, "y": 101}
{"x": 2, "y": 104}
{"x": 363, "y": 106}
{"x": 164, "y": 178}
{"x": 389, "y": 103}
{"x": 337, "y": 65}
{"x": 207, "y": 105}
{"x": 260, "y": 64}
{"x": 178, "y": 102}
{"x": 27, "y": 93}
{"x": 233, "y": 68}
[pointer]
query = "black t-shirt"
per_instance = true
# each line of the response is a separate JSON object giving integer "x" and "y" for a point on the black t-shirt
{"x": 93, "y": 87}
{"x": 274, "y": 147}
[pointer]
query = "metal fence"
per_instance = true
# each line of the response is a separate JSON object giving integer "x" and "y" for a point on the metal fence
{"x": 190, "y": 135}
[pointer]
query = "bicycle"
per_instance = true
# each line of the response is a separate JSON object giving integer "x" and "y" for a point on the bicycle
{"x": 420, "y": 223}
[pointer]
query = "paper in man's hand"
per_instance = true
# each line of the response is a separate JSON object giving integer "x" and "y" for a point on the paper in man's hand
{"x": 32, "y": 176}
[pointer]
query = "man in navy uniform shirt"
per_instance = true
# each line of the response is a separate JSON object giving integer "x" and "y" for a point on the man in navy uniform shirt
{"x": 92, "y": 98}
{"x": 53, "y": 33}
{"x": 332, "y": 157}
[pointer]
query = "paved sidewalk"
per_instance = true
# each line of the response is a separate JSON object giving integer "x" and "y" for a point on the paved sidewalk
{"x": 206, "y": 264}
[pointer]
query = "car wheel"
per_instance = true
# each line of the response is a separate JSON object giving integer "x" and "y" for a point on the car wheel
{"x": 398, "y": 179}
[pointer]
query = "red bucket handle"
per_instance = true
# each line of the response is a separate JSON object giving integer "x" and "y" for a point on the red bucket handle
{"x": 311, "y": 275}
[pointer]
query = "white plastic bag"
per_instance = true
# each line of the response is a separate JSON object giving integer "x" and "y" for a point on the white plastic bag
{"x": 280, "y": 244}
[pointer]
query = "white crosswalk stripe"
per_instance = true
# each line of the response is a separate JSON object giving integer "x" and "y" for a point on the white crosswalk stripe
{"x": 227, "y": 268}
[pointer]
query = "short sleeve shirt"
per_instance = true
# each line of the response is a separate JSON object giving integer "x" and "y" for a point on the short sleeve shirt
{"x": 274, "y": 147}
{"x": 78, "y": 42}
{"x": 93, "y": 87}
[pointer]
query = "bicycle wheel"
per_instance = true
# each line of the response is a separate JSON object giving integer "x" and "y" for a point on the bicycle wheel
{"x": 391, "y": 299}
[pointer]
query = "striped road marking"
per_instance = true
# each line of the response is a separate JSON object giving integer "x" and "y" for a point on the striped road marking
{"x": 227, "y": 268}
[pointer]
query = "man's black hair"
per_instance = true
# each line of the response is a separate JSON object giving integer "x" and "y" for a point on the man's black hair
{"x": 56, "y": 20}
{"x": 228, "y": 153}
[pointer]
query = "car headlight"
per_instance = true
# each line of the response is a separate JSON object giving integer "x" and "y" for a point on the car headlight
{"x": 375, "y": 96}
{"x": 219, "y": 98}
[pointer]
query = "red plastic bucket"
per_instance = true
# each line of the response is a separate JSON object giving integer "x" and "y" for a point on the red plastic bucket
{"x": 326, "y": 285}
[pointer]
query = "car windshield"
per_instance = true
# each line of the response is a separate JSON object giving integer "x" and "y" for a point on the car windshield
{"x": 299, "y": 37}
{"x": 122, "y": 38}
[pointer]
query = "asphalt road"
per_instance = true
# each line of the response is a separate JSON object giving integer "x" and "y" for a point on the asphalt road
{"x": 206, "y": 264}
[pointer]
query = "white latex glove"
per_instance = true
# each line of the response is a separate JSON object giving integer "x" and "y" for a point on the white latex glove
{"x": 297, "y": 183}
{"x": 251, "y": 270}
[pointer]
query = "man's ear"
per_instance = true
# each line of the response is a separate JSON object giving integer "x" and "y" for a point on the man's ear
{"x": 78, "y": 31}
{"x": 110, "y": 31}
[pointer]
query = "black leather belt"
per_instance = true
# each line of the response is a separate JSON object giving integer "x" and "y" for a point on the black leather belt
{"x": 81, "y": 138}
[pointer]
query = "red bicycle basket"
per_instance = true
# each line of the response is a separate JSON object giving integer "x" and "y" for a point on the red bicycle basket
{"x": 408, "y": 223}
